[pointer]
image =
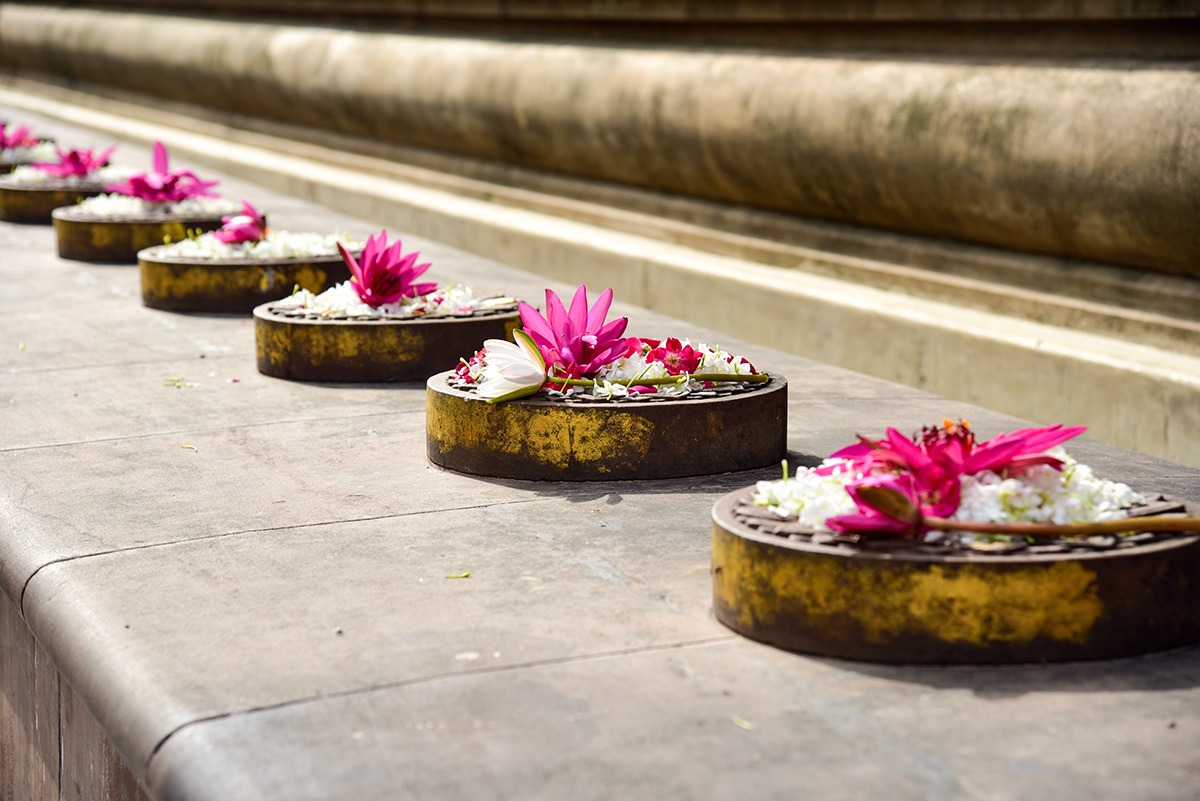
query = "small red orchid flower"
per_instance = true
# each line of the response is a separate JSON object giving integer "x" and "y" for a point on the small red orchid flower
{"x": 676, "y": 357}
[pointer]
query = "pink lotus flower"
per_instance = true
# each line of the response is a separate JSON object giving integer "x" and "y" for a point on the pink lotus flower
{"x": 675, "y": 357}
{"x": 76, "y": 163}
{"x": 953, "y": 450}
{"x": 162, "y": 185}
{"x": 382, "y": 274}
{"x": 929, "y": 468}
{"x": 578, "y": 342}
{"x": 249, "y": 226}
{"x": 20, "y": 136}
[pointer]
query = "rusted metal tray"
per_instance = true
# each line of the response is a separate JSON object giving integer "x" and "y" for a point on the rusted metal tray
{"x": 542, "y": 439}
{"x": 370, "y": 350}
{"x": 901, "y": 605}
{"x": 230, "y": 285}
{"x": 82, "y": 237}
{"x": 34, "y": 204}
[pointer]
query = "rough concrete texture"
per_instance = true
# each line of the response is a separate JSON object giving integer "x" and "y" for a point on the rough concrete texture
{"x": 1090, "y": 160}
{"x": 269, "y": 613}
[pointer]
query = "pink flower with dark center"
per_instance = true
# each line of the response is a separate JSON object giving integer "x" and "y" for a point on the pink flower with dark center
{"x": 676, "y": 357}
{"x": 382, "y": 274}
{"x": 576, "y": 343}
{"x": 249, "y": 226}
{"x": 162, "y": 185}
{"x": 20, "y": 136}
{"x": 77, "y": 163}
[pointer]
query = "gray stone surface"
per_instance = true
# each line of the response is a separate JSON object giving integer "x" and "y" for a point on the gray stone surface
{"x": 268, "y": 613}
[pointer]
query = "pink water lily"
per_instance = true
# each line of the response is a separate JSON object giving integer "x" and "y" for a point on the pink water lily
{"x": 162, "y": 185}
{"x": 383, "y": 274}
{"x": 249, "y": 226}
{"x": 927, "y": 469}
{"x": 75, "y": 163}
{"x": 575, "y": 343}
{"x": 20, "y": 136}
{"x": 953, "y": 449}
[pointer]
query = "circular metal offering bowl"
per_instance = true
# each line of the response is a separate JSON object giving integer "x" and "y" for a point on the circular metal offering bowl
{"x": 371, "y": 350}
{"x": 902, "y": 605}
{"x": 35, "y": 204}
{"x": 82, "y": 237}
{"x": 544, "y": 439}
{"x": 230, "y": 285}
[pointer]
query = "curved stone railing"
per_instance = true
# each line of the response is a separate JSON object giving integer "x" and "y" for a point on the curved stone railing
{"x": 1097, "y": 160}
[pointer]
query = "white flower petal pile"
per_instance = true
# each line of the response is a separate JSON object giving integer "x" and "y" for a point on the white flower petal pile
{"x": 113, "y": 206}
{"x": 32, "y": 177}
{"x": 342, "y": 300}
{"x": 1044, "y": 495}
{"x": 278, "y": 245}
{"x": 808, "y": 496}
{"x": 1039, "y": 495}
{"x": 42, "y": 151}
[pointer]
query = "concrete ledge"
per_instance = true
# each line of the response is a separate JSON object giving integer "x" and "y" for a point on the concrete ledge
{"x": 249, "y": 583}
{"x": 1091, "y": 161}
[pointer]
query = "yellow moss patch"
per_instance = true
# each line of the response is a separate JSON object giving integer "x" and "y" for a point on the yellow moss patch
{"x": 972, "y": 603}
{"x": 556, "y": 437}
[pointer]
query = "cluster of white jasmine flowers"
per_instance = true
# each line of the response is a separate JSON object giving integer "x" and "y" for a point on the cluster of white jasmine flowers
{"x": 343, "y": 300}
{"x": 809, "y": 496}
{"x": 1044, "y": 495}
{"x": 42, "y": 151}
{"x": 113, "y": 206}
{"x": 32, "y": 177}
{"x": 278, "y": 245}
{"x": 1040, "y": 494}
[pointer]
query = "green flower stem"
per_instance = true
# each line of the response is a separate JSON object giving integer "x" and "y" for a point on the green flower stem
{"x": 1128, "y": 524}
{"x": 757, "y": 378}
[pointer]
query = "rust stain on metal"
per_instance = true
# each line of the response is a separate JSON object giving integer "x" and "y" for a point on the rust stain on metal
{"x": 544, "y": 440}
{"x": 369, "y": 350}
{"x": 961, "y": 603}
{"x": 893, "y": 607}
{"x": 230, "y": 286}
{"x": 35, "y": 205}
{"x": 117, "y": 241}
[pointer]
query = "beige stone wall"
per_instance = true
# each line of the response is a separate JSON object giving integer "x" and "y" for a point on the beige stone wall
{"x": 1092, "y": 159}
